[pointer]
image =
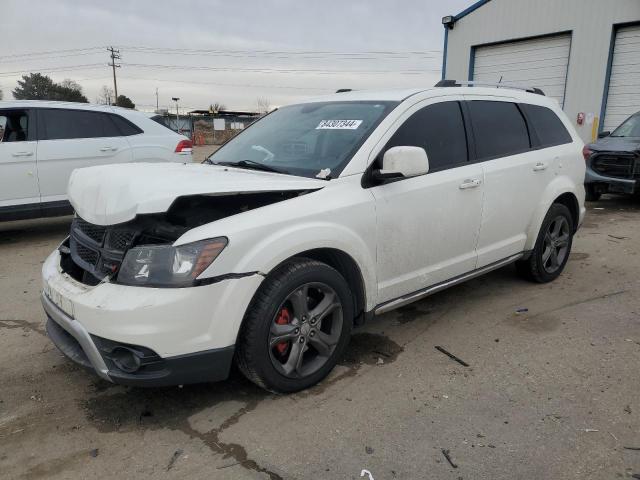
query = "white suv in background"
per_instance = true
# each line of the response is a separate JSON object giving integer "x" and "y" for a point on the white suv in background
{"x": 42, "y": 142}
{"x": 316, "y": 217}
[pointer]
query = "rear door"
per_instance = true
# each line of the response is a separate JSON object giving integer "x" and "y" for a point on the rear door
{"x": 70, "y": 139}
{"x": 18, "y": 148}
{"x": 515, "y": 174}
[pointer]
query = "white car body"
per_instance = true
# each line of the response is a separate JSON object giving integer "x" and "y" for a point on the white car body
{"x": 34, "y": 172}
{"x": 407, "y": 238}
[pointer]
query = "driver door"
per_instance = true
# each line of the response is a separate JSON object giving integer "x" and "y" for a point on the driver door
{"x": 428, "y": 226}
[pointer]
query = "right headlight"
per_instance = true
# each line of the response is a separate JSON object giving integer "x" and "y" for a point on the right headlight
{"x": 169, "y": 266}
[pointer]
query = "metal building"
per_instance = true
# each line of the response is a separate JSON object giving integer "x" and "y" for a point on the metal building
{"x": 583, "y": 53}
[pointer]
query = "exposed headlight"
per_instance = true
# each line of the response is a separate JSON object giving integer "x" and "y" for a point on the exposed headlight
{"x": 169, "y": 266}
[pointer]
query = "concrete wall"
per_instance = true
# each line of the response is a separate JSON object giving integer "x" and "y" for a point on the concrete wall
{"x": 590, "y": 21}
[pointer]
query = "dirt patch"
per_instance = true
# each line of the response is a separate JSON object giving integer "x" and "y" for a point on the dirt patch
{"x": 367, "y": 348}
{"x": 410, "y": 313}
{"x": 535, "y": 323}
{"x": 151, "y": 409}
{"x": 578, "y": 256}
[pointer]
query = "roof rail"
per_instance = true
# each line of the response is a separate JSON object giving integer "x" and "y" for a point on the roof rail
{"x": 470, "y": 83}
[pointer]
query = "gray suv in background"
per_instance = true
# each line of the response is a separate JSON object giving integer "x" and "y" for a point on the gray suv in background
{"x": 613, "y": 162}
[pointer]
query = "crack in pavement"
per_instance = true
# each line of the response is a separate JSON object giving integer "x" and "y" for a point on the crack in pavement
{"x": 11, "y": 324}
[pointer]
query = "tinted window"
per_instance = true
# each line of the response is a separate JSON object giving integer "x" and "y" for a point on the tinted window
{"x": 60, "y": 124}
{"x": 498, "y": 128}
{"x": 14, "y": 126}
{"x": 124, "y": 126}
{"x": 439, "y": 129}
{"x": 548, "y": 127}
{"x": 629, "y": 128}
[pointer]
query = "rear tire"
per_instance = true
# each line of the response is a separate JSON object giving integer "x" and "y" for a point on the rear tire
{"x": 552, "y": 247}
{"x": 591, "y": 195}
{"x": 296, "y": 327}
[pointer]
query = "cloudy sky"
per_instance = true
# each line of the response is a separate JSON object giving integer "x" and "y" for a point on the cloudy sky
{"x": 232, "y": 52}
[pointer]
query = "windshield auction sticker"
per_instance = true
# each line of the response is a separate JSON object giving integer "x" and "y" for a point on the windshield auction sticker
{"x": 338, "y": 124}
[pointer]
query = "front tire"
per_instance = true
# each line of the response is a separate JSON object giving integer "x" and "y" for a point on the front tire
{"x": 591, "y": 195}
{"x": 552, "y": 248}
{"x": 296, "y": 327}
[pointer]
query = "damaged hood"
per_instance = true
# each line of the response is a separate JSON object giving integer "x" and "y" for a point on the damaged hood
{"x": 111, "y": 194}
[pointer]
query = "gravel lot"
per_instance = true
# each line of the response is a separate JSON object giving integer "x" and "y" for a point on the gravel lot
{"x": 551, "y": 393}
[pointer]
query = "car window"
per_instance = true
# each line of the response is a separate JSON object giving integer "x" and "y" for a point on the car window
{"x": 629, "y": 128}
{"x": 14, "y": 126}
{"x": 124, "y": 126}
{"x": 499, "y": 129}
{"x": 548, "y": 127}
{"x": 311, "y": 139}
{"x": 59, "y": 124}
{"x": 439, "y": 129}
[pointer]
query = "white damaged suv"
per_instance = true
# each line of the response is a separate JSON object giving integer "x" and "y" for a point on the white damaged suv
{"x": 314, "y": 219}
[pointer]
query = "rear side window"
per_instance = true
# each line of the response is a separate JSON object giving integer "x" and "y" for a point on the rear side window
{"x": 439, "y": 129}
{"x": 14, "y": 126}
{"x": 125, "y": 127}
{"x": 548, "y": 127}
{"x": 60, "y": 124}
{"x": 499, "y": 129}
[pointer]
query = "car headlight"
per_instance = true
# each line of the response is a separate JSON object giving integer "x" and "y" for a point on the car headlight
{"x": 169, "y": 266}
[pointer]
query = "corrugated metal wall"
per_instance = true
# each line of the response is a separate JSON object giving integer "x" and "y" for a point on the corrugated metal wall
{"x": 589, "y": 21}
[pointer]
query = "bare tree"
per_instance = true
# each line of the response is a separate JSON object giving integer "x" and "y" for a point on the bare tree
{"x": 70, "y": 84}
{"x": 105, "y": 97}
{"x": 216, "y": 107}
{"x": 263, "y": 105}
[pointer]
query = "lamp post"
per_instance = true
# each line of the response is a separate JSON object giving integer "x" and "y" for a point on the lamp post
{"x": 175, "y": 99}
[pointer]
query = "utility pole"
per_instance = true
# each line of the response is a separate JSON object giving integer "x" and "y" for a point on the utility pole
{"x": 157, "y": 102}
{"x": 115, "y": 55}
{"x": 175, "y": 99}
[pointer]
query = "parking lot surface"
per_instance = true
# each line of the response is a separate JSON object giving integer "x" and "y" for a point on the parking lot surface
{"x": 551, "y": 390}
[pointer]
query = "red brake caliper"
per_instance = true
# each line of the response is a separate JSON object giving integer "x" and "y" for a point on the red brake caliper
{"x": 284, "y": 317}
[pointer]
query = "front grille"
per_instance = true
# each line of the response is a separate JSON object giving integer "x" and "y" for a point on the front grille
{"x": 94, "y": 232}
{"x": 623, "y": 165}
{"x": 120, "y": 240}
{"x": 99, "y": 250}
{"x": 86, "y": 254}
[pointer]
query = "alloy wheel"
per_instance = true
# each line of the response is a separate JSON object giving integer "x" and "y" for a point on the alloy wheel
{"x": 556, "y": 244}
{"x": 306, "y": 330}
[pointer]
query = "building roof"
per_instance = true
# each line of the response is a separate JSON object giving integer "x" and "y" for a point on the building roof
{"x": 470, "y": 9}
{"x": 226, "y": 113}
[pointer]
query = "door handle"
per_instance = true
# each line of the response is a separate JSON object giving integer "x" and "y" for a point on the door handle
{"x": 538, "y": 167}
{"x": 470, "y": 183}
{"x": 22, "y": 154}
{"x": 108, "y": 149}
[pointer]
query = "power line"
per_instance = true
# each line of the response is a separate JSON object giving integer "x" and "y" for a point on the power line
{"x": 32, "y": 54}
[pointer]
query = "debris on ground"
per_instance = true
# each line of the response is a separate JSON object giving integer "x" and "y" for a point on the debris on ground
{"x": 94, "y": 452}
{"x": 448, "y": 457}
{"x": 627, "y": 409}
{"x": 366, "y": 472}
{"x": 618, "y": 238}
{"x": 452, "y": 356}
{"x": 521, "y": 310}
{"x": 227, "y": 466}
{"x": 369, "y": 450}
{"x": 632, "y": 448}
{"x": 380, "y": 361}
{"x": 590, "y": 430}
{"x": 174, "y": 458}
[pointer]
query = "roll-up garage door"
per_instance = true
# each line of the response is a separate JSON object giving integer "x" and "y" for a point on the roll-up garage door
{"x": 623, "y": 97}
{"x": 539, "y": 62}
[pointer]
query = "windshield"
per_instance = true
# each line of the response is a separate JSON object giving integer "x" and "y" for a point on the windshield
{"x": 310, "y": 140}
{"x": 629, "y": 128}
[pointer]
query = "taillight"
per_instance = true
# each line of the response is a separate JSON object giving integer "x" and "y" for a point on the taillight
{"x": 184, "y": 146}
{"x": 586, "y": 152}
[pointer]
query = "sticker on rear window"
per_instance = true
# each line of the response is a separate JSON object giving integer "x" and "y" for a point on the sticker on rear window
{"x": 338, "y": 124}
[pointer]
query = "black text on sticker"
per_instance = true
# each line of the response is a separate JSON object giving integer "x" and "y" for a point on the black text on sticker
{"x": 338, "y": 124}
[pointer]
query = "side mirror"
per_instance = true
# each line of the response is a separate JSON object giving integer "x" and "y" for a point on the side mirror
{"x": 604, "y": 134}
{"x": 403, "y": 162}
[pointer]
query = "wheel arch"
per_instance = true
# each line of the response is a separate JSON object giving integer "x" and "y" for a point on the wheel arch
{"x": 561, "y": 191}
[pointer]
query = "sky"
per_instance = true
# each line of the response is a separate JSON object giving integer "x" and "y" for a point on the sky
{"x": 229, "y": 52}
